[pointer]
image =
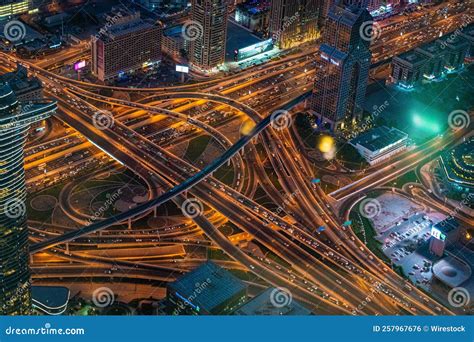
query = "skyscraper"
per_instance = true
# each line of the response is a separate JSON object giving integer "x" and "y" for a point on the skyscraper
{"x": 15, "y": 118}
{"x": 207, "y": 32}
{"x": 342, "y": 76}
{"x": 293, "y": 22}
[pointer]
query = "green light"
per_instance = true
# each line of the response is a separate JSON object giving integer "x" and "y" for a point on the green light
{"x": 417, "y": 120}
{"x": 427, "y": 124}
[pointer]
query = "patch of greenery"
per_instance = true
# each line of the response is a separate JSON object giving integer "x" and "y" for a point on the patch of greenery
{"x": 409, "y": 177}
{"x": 225, "y": 174}
{"x": 196, "y": 147}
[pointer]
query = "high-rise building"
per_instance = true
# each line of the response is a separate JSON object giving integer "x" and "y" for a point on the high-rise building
{"x": 125, "y": 43}
{"x": 9, "y": 8}
{"x": 208, "y": 33}
{"x": 15, "y": 118}
{"x": 293, "y": 22}
{"x": 342, "y": 76}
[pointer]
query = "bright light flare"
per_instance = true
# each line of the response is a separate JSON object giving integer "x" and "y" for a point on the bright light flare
{"x": 247, "y": 127}
{"x": 326, "y": 144}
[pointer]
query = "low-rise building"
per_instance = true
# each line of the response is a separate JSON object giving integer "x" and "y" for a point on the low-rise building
{"x": 207, "y": 290}
{"x": 379, "y": 144}
{"x": 456, "y": 51}
{"x": 51, "y": 300}
{"x": 25, "y": 88}
{"x": 408, "y": 69}
{"x": 468, "y": 34}
{"x": 435, "y": 57}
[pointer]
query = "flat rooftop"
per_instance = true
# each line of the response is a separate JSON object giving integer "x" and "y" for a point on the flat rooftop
{"x": 432, "y": 48}
{"x": 451, "y": 271}
{"x": 379, "y": 138}
{"x": 412, "y": 57}
{"x": 238, "y": 38}
{"x": 50, "y": 297}
{"x": 262, "y": 305}
{"x": 453, "y": 40}
{"x": 174, "y": 31}
{"x": 447, "y": 225}
{"x": 469, "y": 31}
{"x": 216, "y": 285}
{"x": 132, "y": 26}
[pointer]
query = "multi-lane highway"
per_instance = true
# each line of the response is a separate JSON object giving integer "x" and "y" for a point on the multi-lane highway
{"x": 331, "y": 272}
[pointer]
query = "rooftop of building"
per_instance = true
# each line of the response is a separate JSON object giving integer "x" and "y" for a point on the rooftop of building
{"x": 50, "y": 298}
{"x": 431, "y": 48}
{"x": 348, "y": 15}
{"x": 238, "y": 38}
{"x": 448, "y": 225}
{"x": 207, "y": 286}
{"x": 120, "y": 21}
{"x": 19, "y": 80}
{"x": 263, "y": 304}
{"x": 174, "y": 31}
{"x": 411, "y": 57}
{"x": 329, "y": 53}
{"x": 379, "y": 138}
{"x": 469, "y": 31}
{"x": 28, "y": 33}
{"x": 459, "y": 163}
{"x": 254, "y": 6}
{"x": 451, "y": 271}
{"x": 453, "y": 41}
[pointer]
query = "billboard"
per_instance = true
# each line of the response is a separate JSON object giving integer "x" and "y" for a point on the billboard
{"x": 437, "y": 234}
{"x": 79, "y": 65}
{"x": 253, "y": 50}
{"x": 182, "y": 68}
